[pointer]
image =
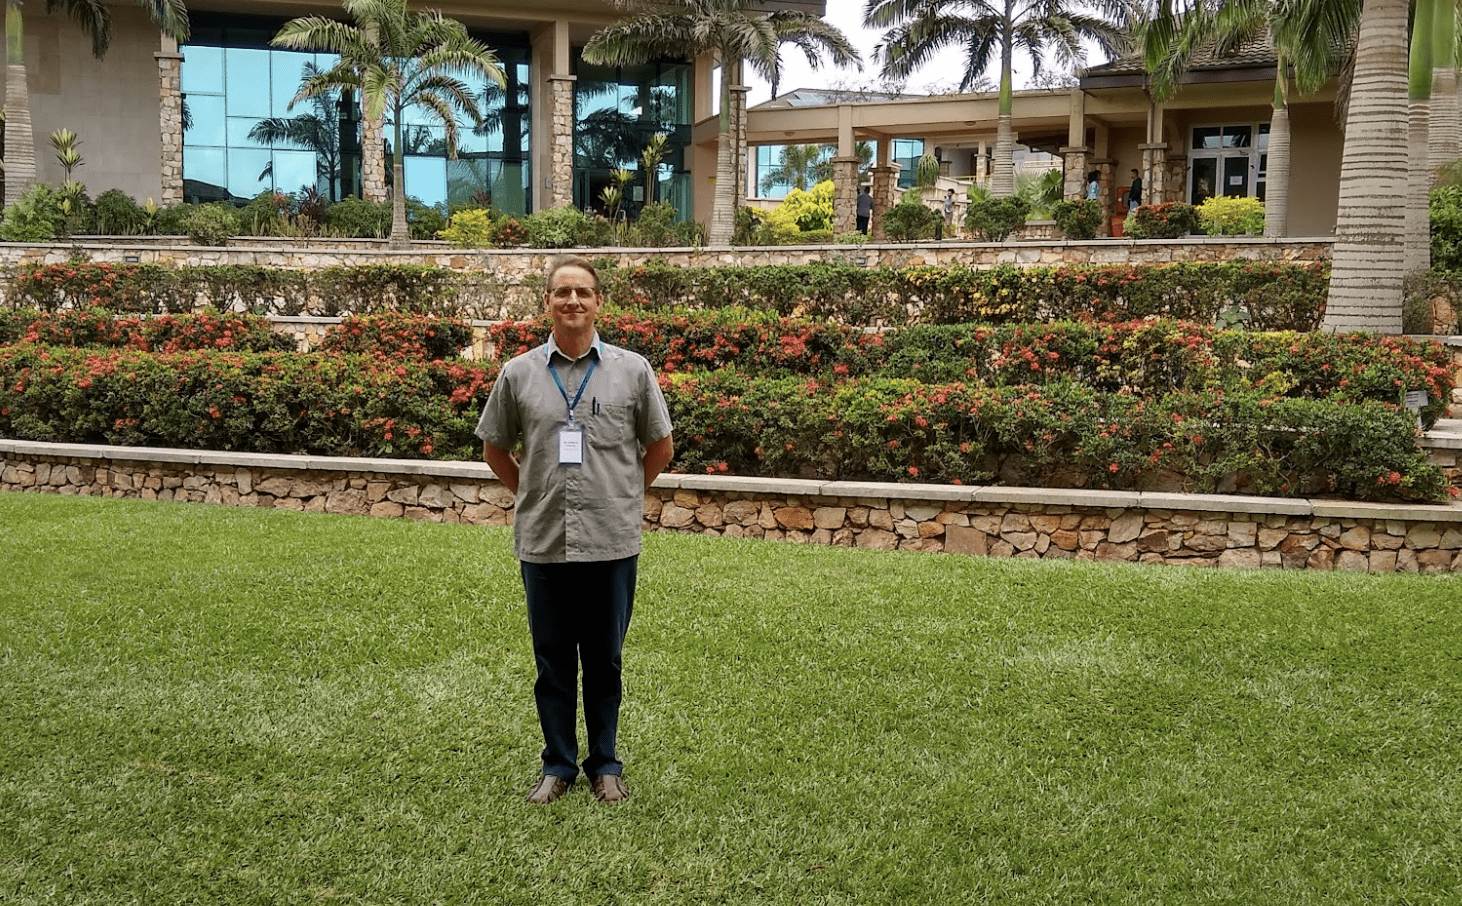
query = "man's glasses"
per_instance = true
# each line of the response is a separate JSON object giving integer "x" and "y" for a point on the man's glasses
{"x": 565, "y": 293}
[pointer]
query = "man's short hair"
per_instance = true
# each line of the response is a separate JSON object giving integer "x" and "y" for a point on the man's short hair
{"x": 563, "y": 261}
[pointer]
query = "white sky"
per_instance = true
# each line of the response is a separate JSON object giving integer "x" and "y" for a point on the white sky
{"x": 847, "y": 15}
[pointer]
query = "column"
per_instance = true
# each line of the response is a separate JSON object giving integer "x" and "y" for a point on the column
{"x": 1074, "y": 165}
{"x": 170, "y": 116}
{"x": 885, "y": 195}
{"x": 1154, "y": 172}
{"x": 845, "y": 194}
{"x": 561, "y": 185}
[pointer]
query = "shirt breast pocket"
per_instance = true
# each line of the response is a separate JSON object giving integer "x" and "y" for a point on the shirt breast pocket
{"x": 612, "y": 427}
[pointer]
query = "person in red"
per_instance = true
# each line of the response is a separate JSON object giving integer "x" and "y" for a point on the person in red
{"x": 592, "y": 432}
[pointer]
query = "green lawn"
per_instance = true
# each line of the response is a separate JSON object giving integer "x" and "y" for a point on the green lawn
{"x": 213, "y": 705}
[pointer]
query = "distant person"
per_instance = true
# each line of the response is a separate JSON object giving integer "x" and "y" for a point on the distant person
{"x": 1093, "y": 185}
{"x": 949, "y": 209}
{"x": 865, "y": 210}
{"x": 1134, "y": 193}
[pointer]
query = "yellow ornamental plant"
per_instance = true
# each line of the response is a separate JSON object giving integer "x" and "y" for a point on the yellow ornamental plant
{"x": 470, "y": 229}
{"x": 1222, "y": 216}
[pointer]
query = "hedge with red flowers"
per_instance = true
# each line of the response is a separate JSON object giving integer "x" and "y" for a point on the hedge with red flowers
{"x": 1148, "y": 357}
{"x": 1058, "y": 435}
{"x": 256, "y": 402}
{"x": 165, "y": 333}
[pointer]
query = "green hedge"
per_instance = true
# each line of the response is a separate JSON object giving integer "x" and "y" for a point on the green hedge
{"x": 1275, "y": 296}
{"x": 1146, "y": 357}
{"x": 274, "y": 402}
{"x": 165, "y": 333}
{"x": 1060, "y": 435}
{"x": 328, "y": 292}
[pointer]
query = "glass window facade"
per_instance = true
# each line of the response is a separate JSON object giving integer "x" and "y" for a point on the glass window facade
{"x": 771, "y": 176}
{"x": 616, "y": 112}
{"x": 241, "y": 137}
{"x": 906, "y": 153}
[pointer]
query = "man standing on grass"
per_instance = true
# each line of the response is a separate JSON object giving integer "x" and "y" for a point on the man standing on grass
{"x": 594, "y": 432}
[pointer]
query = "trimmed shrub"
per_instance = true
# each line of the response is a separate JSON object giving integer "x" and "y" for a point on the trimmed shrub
{"x": 1169, "y": 220}
{"x": 399, "y": 336}
{"x": 469, "y": 229}
{"x": 1078, "y": 219}
{"x": 655, "y": 226}
{"x": 35, "y": 217}
{"x": 357, "y": 218}
{"x": 1224, "y": 216}
{"x": 911, "y": 220}
{"x": 212, "y": 224}
{"x": 995, "y": 219}
{"x": 117, "y": 214}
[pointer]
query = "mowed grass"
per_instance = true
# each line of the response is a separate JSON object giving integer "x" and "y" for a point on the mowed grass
{"x": 212, "y": 705}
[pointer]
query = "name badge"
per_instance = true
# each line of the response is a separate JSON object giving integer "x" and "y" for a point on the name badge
{"x": 571, "y": 447}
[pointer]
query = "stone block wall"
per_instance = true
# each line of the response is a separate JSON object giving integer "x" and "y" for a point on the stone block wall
{"x": 1137, "y": 527}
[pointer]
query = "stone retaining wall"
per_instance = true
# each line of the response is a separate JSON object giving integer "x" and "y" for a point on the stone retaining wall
{"x": 1191, "y": 530}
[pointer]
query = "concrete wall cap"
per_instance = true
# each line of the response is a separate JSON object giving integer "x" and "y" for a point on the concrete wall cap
{"x": 1226, "y": 503}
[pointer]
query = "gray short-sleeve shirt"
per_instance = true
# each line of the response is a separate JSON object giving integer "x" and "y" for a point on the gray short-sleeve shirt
{"x": 582, "y": 512}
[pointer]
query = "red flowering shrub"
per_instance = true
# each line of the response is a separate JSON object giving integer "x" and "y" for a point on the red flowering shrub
{"x": 164, "y": 333}
{"x": 397, "y": 336}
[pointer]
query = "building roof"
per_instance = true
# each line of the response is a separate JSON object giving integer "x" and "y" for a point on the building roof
{"x": 819, "y": 97}
{"x": 1254, "y": 59}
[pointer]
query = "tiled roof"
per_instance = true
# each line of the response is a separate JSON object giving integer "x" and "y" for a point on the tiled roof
{"x": 1255, "y": 54}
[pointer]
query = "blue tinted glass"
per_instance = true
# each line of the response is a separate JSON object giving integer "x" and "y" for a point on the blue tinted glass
{"x": 238, "y": 132}
{"x": 247, "y": 75}
{"x": 202, "y": 70}
{"x": 206, "y": 165}
{"x": 424, "y": 140}
{"x": 468, "y": 176}
{"x": 248, "y": 172}
{"x": 206, "y": 113}
{"x": 286, "y": 72}
{"x": 294, "y": 171}
{"x": 510, "y": 188}
{"x": 426, "y": 179}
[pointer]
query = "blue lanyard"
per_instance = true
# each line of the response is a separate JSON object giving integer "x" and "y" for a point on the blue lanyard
{"x": 582, "y": 384}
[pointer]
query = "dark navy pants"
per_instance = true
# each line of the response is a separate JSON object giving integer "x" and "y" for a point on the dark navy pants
{"x": 578, "y": 613}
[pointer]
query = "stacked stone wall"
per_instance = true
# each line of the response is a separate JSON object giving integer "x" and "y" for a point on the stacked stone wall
{"x": 1172, "y": 529}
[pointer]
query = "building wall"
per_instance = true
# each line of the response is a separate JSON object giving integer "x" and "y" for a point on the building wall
{"x": 111, "y": 104}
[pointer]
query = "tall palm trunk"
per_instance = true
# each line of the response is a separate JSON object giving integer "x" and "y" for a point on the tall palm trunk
{"x": 1419, "y": 182}
{"x": 723, "y": 199}
{"x": 1002, "y": 181}
{"x": 1443, "y": 128}
{"x": 400, "y": 231}
{"x": 1276, "y": 190}
{"x": 1366, "y": 269}
{"x": 20, "y": 143}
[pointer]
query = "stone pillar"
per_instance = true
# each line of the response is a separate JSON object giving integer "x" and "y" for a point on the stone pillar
{"x": 1176, "y": 178}
{"x": 372, "y": 160}
{"x": 1154, "y": 172}
{"x": 885, "y": 195}
{"x": 738, "y": 139}
{"x": 845, "y": 194}
{"x": 1106, "y": 192}
{"x": 1075, "y": 169}
{"x": 170, "y": 122}
{"x": 561, "y": 190}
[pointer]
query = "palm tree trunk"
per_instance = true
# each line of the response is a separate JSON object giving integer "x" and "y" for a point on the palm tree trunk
{"x": 1418, "y": 186}
{"x": 400, "y": 231}
{"x": 1442, "y": 129}
{"x": 1276, "y": 191}
{"x": 1419, "y": 182}
{"x": 20, "y": 143}
{"x": 723, "y": 199}
{"x": 1002, "y": 181}
{"x": 1366, "y": 269}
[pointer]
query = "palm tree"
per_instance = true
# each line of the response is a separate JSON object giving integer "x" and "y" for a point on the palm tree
{"x": 736, "y": 31}
{"x": 397, "y": 60}
{"x": 1310, "y": 39}
{"x": 1442, "y": 132}
{"x": 990, "y": 31}
{"x": 1367, "y": 262}
{"x": 1419, "y": 93}
{"x": 801, "y": 167}
{"x": 317, "y": 131}
{"x": 171, "y": 16}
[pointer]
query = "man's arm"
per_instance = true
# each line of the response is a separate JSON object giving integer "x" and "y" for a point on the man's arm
{"x": 657, "y": 457}
{"x": 505, "y": 467}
